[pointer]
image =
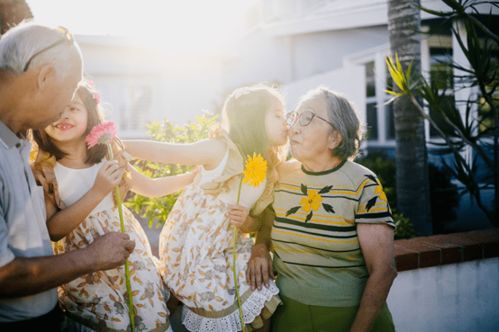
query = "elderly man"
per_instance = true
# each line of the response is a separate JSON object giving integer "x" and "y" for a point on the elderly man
{"x": 40, "y": 69}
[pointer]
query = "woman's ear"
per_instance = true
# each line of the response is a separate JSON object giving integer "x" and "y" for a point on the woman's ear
{"x": 334, "y": 140}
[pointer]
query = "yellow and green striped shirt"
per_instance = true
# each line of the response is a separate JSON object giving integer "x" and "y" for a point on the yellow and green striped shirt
{"x": 314, "y": 236}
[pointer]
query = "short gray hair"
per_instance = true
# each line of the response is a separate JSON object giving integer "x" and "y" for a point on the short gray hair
{"x": 344, "y": 119}
{"x": 20, "y": 43}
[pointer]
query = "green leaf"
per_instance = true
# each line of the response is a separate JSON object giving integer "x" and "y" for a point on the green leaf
{"x": 304, "y": 189}
{"x": 309, "y": 216}
{"x": 292, "y": 210}
{"x": 328, "y": 208}
{"x": 326, "y": 189}
{"x": 371, "y": 203}
{"x": 371, "y": 177}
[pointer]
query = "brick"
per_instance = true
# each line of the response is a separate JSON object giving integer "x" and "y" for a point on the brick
{"x": 429, "y": 255}
{"x": 405, "y": 259}
{"x": 446, "y": 248}
{"x": 471, "y": 247}
{"x": 450, "y": 252}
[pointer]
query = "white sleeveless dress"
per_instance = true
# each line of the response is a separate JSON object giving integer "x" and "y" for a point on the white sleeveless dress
{"x": 98, "y": 300}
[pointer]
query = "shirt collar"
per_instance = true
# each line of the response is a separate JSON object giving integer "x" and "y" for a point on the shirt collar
{"x": 7, "y": 137}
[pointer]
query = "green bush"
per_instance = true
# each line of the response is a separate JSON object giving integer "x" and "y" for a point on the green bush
{"x": 404, "y": 227}
{"x": 156, "y": 210}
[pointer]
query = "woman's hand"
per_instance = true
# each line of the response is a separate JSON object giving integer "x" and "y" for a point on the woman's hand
{"x": 108, "y": 177}
{"x": 259, "y": 269}
{"x": 239, "y": 217}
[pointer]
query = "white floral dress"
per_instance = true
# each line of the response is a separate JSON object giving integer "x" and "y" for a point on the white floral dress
{"x": 196, "y": 258}
{"x": 98, "y": 300}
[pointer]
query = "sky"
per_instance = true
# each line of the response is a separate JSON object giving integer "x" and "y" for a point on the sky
{"x": 189, "y": 25}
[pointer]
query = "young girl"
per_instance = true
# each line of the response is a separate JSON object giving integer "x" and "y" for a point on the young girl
{"x": 196, "y": 241}
{"x": 78, "y": 185}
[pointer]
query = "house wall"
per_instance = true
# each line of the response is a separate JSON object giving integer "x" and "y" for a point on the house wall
{"x": 139, "y": 84}
{"x": 320, "y": 52}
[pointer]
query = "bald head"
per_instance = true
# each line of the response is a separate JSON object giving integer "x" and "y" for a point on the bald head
{"x": 29, "y": 46}
{"x": 40, "y": 68}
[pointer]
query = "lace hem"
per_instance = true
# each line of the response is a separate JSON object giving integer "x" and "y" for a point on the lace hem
{"x": 261, "y": 302}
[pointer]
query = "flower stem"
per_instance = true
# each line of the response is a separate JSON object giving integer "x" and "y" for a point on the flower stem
{"x": 119, "y": 205}
{"x": 234, "y": 260}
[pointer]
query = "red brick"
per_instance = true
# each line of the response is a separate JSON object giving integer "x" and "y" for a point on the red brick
{"x": 404, "y": 258}
{"x": 429, "y": 255}
{"x": 450, "y": 252}
{"x": 471, "y": 248}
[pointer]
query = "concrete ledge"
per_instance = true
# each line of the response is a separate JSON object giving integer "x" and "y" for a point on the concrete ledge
{"x": 446, "y": 249}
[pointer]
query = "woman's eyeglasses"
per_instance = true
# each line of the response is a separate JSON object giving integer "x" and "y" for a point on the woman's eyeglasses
{"x": 67, "y": 38}
{"x": 304, "y": 118}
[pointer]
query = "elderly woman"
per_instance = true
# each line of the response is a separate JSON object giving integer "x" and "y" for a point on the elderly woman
{"x": 331, "y": 227}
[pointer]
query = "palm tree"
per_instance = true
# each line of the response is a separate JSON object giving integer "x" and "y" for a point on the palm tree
{"x": 412, "y": 184}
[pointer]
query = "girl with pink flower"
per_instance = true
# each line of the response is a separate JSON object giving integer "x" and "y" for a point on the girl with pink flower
{"x": 78, "y": 183}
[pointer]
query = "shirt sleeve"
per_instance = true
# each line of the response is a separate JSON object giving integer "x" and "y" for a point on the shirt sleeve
{"x": 6, "y": 255}
{"x": 373, "y": 207}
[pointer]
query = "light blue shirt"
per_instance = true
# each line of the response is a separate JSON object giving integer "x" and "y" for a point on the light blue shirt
{"x": 23, "y": 230}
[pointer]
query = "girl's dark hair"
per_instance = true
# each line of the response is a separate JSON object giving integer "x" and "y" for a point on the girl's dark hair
{"x": 244, "y": 118}
{"x": 94, "y": 117}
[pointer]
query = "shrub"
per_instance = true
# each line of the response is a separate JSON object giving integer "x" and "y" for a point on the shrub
{"x": 156, "y": 210}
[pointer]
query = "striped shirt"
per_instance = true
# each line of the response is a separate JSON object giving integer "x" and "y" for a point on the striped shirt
{"x": 317, "y": 253}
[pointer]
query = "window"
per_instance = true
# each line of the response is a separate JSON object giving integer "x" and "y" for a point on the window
{"x": 441, "y": 77}
{"x": 371, "y": 107}
{"x": 379, "y": 114}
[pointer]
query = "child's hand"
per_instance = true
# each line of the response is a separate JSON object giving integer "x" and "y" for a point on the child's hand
{"x": 193, "y": 173}
{"x": 108, "y": 177}
{"x": 239, "y": 217}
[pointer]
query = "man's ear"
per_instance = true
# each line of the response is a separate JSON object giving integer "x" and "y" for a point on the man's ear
{"x": 45, "y": 74}
{"x": 334, "y": 140}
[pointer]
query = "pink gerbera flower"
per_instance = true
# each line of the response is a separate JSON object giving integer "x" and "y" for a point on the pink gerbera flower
{"x": 101, "y": 134}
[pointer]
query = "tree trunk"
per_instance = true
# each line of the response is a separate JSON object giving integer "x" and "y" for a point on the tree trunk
{"x": 413, "y": 198}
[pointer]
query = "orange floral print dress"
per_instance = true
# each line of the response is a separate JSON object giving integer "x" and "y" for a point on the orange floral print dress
{"x": 196, "y": 251}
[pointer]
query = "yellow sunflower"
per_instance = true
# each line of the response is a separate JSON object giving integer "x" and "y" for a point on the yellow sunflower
{"x": 312, "y": 201}
{"x": 255, "y": 170}
{"x": 381, "y": 194}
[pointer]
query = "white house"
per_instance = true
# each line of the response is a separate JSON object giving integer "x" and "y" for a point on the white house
{"x": 341, "y": 44}
{"x": 140, "y": 82}
{"x": 298, "y": 44}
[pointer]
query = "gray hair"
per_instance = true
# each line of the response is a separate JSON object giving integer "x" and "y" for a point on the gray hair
{"x": 345, "y": 121}
{"x": 20, "y": 43}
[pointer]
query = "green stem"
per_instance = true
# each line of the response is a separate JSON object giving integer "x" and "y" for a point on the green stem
{"x": 234, "y": 259}
{"x": 119, "y": 205}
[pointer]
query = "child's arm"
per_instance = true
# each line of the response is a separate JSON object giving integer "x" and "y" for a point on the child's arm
{"x": 64, "y": 221}
{"x": 149, "y": 187}
{"x": 208, "y": 153}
